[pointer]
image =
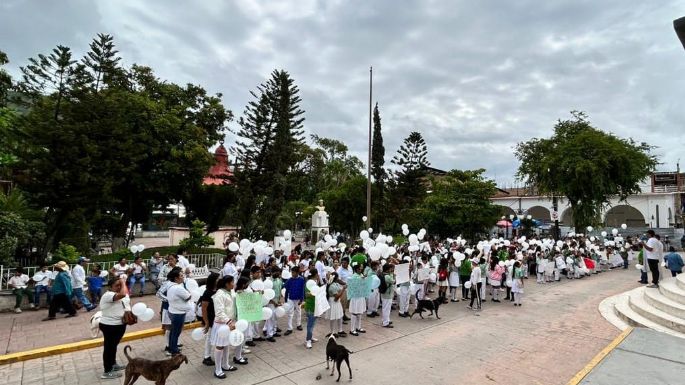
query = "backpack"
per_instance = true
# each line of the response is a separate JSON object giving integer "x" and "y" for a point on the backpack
{"x": 384, "y": 285}
{"x": 442, "y": 275}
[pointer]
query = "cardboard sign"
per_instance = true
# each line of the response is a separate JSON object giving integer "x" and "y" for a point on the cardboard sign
{"x": 249, "y": 306}
{"x": 423, "y": 274}
{"x": 402, "y": 273}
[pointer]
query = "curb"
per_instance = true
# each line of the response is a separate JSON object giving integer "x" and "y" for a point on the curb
{"x": 599, "y": 357}
{"x": 82, "y": 345}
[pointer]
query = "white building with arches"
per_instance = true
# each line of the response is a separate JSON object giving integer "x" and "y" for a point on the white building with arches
{"x": 659, "y": 206}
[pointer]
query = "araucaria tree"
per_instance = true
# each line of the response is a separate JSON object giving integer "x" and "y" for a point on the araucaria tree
{"x": 270, "y": 134}
{"x": 407, "y": 185}
{"x": 585, "y": 165}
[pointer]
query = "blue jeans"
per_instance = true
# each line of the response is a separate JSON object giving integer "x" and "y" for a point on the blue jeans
{"x": 177, "y": 321}
{"x": 311, "y": 321}
{"x": 41, "y": 289}
{"x": 132, "y": 281}
{"x": 78, "y": 293}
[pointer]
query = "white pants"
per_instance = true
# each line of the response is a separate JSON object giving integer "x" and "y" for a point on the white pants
{"x": 387, "y": 306}
{"x": 253, "y": 331}
{"x": 372, "y": 302}
{"x": 517, "y": 298}
{"x": 296, "y": 312}
{"x": 356, "y": 322}
{"x": 208, "y": 345}
{"x": 270, "y": 324}
{"x": 495, "y": 293}
{"x": 556, "y": 275}
{"x": 482, "y": 288}
{"x": 404, "y": 299}
{"x": 540, "y": 278}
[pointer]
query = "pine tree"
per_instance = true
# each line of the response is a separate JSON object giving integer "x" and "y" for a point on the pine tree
{"x": 271, "y": 132}
{"x": 412, "y": 155}
{"x": 407, "y": 188}
{"x": 378, "y": 172}
{"x": 101, "y": 61}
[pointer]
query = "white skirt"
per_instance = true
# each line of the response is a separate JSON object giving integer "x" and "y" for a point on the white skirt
{"x": 165, "y": 317}
{"x": 358, "y": 305}
{"x": 517, "y": 286}
{"x": 443, "y": 283}
{"x": 336, "y": 310}
{"x": 454, "y": 279}
{"x": 217, "y": 340}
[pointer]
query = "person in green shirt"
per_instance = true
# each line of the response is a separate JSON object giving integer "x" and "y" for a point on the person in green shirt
{"x": 386, "y": 296}
{"x": 517, "y": 283}
{"x": 272, "y": 327}
{"x": 309, "y": 304}
{"x": 373, "y": 300}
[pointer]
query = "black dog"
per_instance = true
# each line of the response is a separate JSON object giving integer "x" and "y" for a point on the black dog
{"x": 337, "y": 353}
{"x": 427, "y": 305}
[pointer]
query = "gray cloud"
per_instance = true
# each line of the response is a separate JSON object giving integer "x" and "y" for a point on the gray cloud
{"x": 474, "y": 77}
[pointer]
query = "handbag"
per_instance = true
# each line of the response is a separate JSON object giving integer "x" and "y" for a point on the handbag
{"x": 128, "y": 318}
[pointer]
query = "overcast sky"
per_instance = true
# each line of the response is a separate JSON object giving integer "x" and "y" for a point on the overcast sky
{"x": 474, "y": 77}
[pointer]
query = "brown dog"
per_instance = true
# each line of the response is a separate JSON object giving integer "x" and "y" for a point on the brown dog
{"x": 156, "y": 371}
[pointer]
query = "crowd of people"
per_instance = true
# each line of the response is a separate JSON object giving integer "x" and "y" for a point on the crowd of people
{"x": 450, "y": 270}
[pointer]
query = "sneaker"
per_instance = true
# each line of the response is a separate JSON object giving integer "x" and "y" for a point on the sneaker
{"x": 299, "y": 328}
{"x": 110, "y": 375}
{"x": 17, "y": 310}
{"x": 308, "y": 344}
{"x": 208, "y": 361}
{"x": 118, "y": 368}
{"x": 288, "y": 332}
{"x": 314, "y": 340}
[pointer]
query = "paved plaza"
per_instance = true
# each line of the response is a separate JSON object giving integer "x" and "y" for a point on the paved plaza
{"x": 546, "y": 341}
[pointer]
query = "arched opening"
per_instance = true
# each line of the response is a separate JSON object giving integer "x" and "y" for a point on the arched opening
{"x": 618, "y": 215}
{"x": 567, "y": 218}
{"x": 506, "y": 211}
{"x": 540, "y": 213}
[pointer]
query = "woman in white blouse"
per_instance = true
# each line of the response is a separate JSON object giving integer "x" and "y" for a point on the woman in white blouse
{"x": 179, "y": 299}
{"x": 113, "y": 304}
{"x": 224, "y": 314}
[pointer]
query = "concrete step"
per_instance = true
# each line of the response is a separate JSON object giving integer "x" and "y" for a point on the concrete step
{"x": 628, "y": 315}
{"x": 638, "y": 303}
{"x": 679, "y": 280}
{"x": 670, "y": 289}
{"x": 663, "y": 303}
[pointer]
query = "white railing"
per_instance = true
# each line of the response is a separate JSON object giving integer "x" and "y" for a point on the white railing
{"x": 199, "y": 260}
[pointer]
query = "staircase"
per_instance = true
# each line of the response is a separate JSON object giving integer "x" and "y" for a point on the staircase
{"x": 661, "y": 309}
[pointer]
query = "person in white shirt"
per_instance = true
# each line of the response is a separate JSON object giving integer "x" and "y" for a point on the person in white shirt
{"x": 320, "y": 265}
{"x": 19, "y": 283}
{"x": 178, "y": 298}
{"x": 155, "y": 265}
{"x": 78, "y": 280}
{"x": 229, "y": 267}
{"x": 120, "y": 269}
{"x": 476, "y": 284}
{"x": 652, "y": 248}
{"x": 138, "y": 270}
{"x": 113, "y": 305}
{"x": 42, "y": 278}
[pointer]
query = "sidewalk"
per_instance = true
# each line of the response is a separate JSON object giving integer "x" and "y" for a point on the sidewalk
{"x": 546, "y": 341}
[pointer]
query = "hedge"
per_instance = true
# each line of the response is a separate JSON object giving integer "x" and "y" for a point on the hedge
{"x": 147, "y": 253}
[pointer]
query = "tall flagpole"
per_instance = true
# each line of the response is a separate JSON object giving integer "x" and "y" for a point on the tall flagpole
{"x": 368, "y": 172}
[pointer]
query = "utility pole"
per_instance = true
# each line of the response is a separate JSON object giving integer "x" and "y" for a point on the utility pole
{"x": 555, "y": 208}
{"x": 368, "y": 169}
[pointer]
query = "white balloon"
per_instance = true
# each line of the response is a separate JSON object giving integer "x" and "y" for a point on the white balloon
{"x": 604, "y": 233}
{"x": 624, "y": 226}
{"x": 257, "y": 285}
{"x": 501, "y": 263}
{"x": 279, "y": 311}
{"x": 147, "y": 315}
{"x": 138, "y": 309}
{"x": 197, "y": 334}
{"x": 364, "y": 218}
{"x": 244, "y": 243}
{"x": 405, "y": 232}
{"x": 370, "y": 230}
{"x": 392, "y": 251}
{"x": 327, "y": 237}
{"x": 405, "y": 226}
{"x": 104, "y": 273}
{"x": 269, "y": 294}
{"x": 141, "y": 248}
{"x": 375, "y": 253}
{"x": 589, "y": 229}
{"x": 268, "y": 284}
{"x": 236, "y": 338}
{"x": 388, "y": 239}
{"x": 267, "y": 313}
{"x": 638, "y": 266}
{"x": 287, "y": 234}
{"x": 421, "y": 235}
{"x": 241, "y": 325}
{"x": 233, "y": 247}
{"x": 285, "y": 274}
{"x": 269, "y": 251}
{"x": 364, "y": 235}
{"x": 191, "y": 285}
{"x": 467, "y": 284}
{"x": 413, "y": 239}
{"x": 133, "y": 248}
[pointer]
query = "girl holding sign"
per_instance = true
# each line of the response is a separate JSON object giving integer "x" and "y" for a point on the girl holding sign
{"x": 310, "y": 304}
{"x": 335, "y": 290}
{"x": 357, "y": 305}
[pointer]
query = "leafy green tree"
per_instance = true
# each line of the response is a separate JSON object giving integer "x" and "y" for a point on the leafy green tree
{"x": 346, "y": 205}
{"x": 270, "y": 134}
{"x": 5, "y": 80}
{"x": 197, "y": 237}
{"x": 20, "y": 227}
{"x": 459, "y": 204}
{"x": 586, "y": 165}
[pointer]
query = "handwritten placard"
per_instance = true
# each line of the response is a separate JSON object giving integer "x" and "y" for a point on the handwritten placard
{"x": 249, "y": 306}
{"x": 402, "y": 273}
{"x": 423, "y": 274}
{"x": 357, "y": 287}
